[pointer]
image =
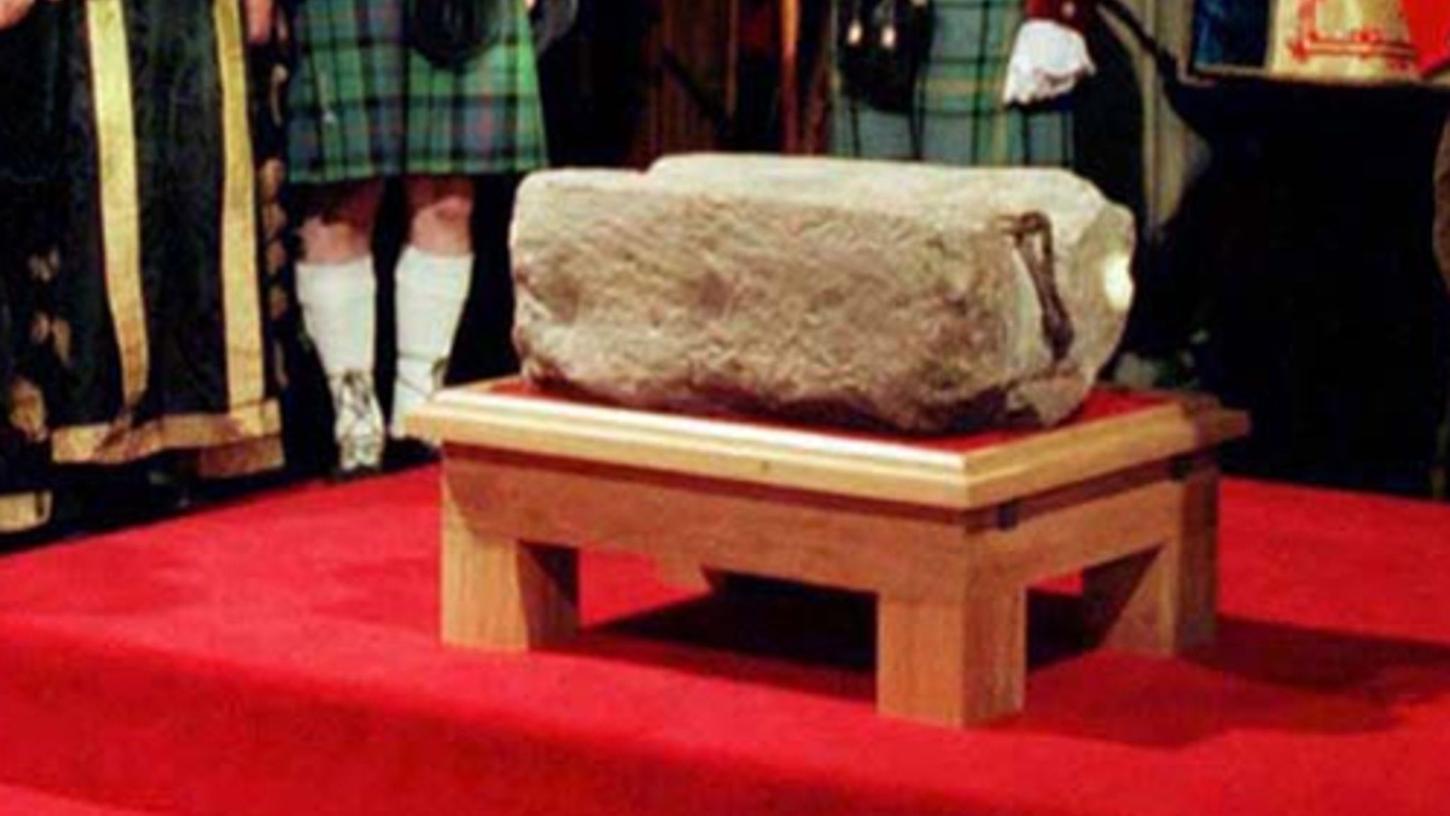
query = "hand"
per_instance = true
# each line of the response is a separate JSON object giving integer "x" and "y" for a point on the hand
{"x": 261, "y": 17}
{"x": 13, "y": 11}
{"x": 1048, "y": 60}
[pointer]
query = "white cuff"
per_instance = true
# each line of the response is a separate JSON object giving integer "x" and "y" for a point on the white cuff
{"x": 1048, "y": 60}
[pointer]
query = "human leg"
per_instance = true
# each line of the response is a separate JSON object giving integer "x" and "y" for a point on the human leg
{"x": 432, "y": 283}
{"x": 337, "y": 289}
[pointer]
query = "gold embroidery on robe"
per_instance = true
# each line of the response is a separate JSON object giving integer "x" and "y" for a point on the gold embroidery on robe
{"x": 24, "y": 511}
{"x": 120, "y": 442}
{"x": 241, "y": 285}
{"x": 120, "y": 191}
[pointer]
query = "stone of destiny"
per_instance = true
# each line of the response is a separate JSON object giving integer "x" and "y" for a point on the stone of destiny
{"x": 883, "y": 295}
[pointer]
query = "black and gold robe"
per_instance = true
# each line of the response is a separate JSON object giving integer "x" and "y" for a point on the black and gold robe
{"x": 133, "y": 262}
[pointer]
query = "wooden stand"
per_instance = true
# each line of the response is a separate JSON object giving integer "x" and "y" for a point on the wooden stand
{"x": 947, "y": 540}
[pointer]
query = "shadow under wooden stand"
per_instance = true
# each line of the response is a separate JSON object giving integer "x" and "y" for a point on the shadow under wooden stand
{"x": 947, "y": 541}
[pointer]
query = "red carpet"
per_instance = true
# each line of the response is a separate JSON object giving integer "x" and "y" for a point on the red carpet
{"x": 25, "y": 802}
{"x": 278, "y": 657}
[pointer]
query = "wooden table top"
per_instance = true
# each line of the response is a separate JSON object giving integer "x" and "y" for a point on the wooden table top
{"x": 1115, "y": 430}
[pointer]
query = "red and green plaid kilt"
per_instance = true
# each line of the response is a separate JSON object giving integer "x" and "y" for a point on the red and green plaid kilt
{"x": 365, "y": 105}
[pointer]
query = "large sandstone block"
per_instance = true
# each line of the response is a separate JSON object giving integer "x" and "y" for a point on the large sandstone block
{"x": 918, "y": 298}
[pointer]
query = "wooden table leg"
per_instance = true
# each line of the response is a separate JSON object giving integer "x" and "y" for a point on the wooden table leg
{"x": 955, "y": 661}
{"x": 1197, "y": 586}
{"x": 687, "y": 573}
{"x": 505, "y": 595}
{"x": 1163, "y": 601}
{"x": 1130, "y": 602}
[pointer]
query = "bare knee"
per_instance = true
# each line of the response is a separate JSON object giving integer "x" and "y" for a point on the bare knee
{"x": 338, "y": 220}
{"x": 441, "y": 214}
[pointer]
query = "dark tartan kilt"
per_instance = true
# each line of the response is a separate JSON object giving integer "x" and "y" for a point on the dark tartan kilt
{"x": 964, "y": 120}
{"x": 364, "y": 105}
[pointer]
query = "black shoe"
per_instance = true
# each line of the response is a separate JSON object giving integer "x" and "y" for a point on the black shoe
{"x": 405, "y": 454}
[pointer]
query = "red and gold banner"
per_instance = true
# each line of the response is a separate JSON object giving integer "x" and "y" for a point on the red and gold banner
{"x": 1354, "y": 41}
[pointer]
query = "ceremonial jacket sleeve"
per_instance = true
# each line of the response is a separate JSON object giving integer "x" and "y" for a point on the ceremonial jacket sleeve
{"x": 1430, "y": 29}
{"x": 1075, "y": 13}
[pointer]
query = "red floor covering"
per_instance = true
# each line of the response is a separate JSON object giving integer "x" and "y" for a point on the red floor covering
{"x": 16, "y": 801}
{"x": 278, "y": 656}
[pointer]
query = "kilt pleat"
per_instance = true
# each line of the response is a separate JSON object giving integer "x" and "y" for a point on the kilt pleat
{"x": 365, "y": 105}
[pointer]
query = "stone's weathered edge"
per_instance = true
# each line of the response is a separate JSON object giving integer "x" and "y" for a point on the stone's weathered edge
{"x": 957, "y": 196}
{"x": 751, "y": 285}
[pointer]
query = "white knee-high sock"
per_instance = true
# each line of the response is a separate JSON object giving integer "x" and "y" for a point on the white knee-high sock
{"x": 431, "y": 290}
{"x": 339, "y": 310}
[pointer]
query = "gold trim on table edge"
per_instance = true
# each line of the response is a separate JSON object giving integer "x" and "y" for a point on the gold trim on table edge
{"x": 116, "y": 443}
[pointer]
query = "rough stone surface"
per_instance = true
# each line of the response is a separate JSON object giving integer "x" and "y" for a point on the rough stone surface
{"x": 917, "y": 298}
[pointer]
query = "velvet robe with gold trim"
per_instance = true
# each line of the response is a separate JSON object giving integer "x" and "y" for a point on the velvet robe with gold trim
{"x": 133, "y": 269}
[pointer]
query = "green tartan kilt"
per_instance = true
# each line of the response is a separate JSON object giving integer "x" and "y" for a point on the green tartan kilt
{"x": 963, "y": 120}
{"x": 364, "y": 105}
